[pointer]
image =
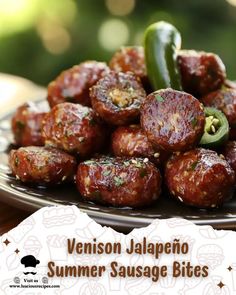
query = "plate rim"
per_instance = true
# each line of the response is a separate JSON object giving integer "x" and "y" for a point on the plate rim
{"x": 115, "y": 220}
{"x": 11, "y": 196}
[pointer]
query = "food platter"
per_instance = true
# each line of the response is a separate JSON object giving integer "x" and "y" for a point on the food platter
{"x": 28, "y": 198}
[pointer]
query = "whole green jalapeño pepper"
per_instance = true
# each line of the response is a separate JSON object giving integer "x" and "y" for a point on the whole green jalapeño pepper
{"x": 216, "y": 130}
{"x": 162, "y": 40}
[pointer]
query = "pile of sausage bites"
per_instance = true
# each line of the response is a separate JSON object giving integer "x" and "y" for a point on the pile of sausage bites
{"x": 120, "y": 142}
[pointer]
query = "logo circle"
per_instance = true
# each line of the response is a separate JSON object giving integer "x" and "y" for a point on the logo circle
{"x": 45, "y": 280}
{"x": 16, "y": 280}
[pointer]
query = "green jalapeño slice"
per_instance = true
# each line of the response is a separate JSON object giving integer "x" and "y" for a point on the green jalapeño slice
{"x": 216, "y": 130}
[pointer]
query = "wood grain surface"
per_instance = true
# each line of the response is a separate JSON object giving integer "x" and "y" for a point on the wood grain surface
{"x": 10, "y": 217}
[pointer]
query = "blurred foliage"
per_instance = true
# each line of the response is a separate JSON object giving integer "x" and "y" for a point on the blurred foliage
{"x": 40, "y": 38}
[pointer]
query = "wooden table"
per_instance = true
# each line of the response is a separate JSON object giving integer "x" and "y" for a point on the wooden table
{"x": 14, "y": 91}
{"x": 10, "y": 217}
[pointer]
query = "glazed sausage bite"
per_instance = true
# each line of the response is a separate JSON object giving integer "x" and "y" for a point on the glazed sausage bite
{"x": 73, "y": 84}
{"x": 119, "y": 181}
{"x": 172, "y": 120}
{"x": 200, "y": 178}
{"x": 230, "y": 154}
{"x": 225, "y": 100}
{"x": 131, "y": 141}
{"x": 26, "y": 124}
{"x": 42, "y": 165}
{"x": 130, "y": 59}
{"x": 201, "y": 72}
{"x": 73, "y": 128}
{"x": 117, "y": 98}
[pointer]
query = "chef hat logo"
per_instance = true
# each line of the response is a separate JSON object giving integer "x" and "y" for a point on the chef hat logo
{"x": 30, "y": 263}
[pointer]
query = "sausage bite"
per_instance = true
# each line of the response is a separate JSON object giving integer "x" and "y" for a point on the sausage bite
{"x": 119, "y": 181}
{"x": 73, "y": 84}
{"x": 117, "y": 98}
{"x": 42, "y": 165}
{"x": 225, "y": 100}
{"x": 131, "y": 141}
{"x": 130, "y": 59}
{"x": 200, "y": 178}
{"x": 201, "y": 72}
{"x": 172, "y": 120}
{"x": 73, "y": 128}
{"x": 230, "y": 154}
{"x": 26, "y": 124}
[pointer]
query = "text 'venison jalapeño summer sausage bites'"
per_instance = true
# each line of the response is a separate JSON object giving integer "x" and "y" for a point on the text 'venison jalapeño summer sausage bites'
{"x": 26, "y": 125}
{"x": 117, "y": 98}
{"x": 73, "y": 128}
{"x": 201, "y": 72}
{"x": 73, "y": 84}
{"x": 131, "y": 141}
{"x": 172, "y": 120}
{"x": 200, "y": 178}
{"x": 42, "y": 165}
{"x": 129, "y": 182}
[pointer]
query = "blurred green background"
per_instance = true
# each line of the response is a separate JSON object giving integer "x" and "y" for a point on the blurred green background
{"x": 39, "y": 38}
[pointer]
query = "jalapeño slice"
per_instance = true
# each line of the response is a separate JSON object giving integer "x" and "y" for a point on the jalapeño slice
{"x": 216, "y": 130}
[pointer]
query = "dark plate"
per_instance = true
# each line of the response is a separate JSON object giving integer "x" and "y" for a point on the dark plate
{"x": 19, "y": 195}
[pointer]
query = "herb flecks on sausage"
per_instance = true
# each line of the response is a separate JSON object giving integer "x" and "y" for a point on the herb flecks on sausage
{"x": 121, "y": 182}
